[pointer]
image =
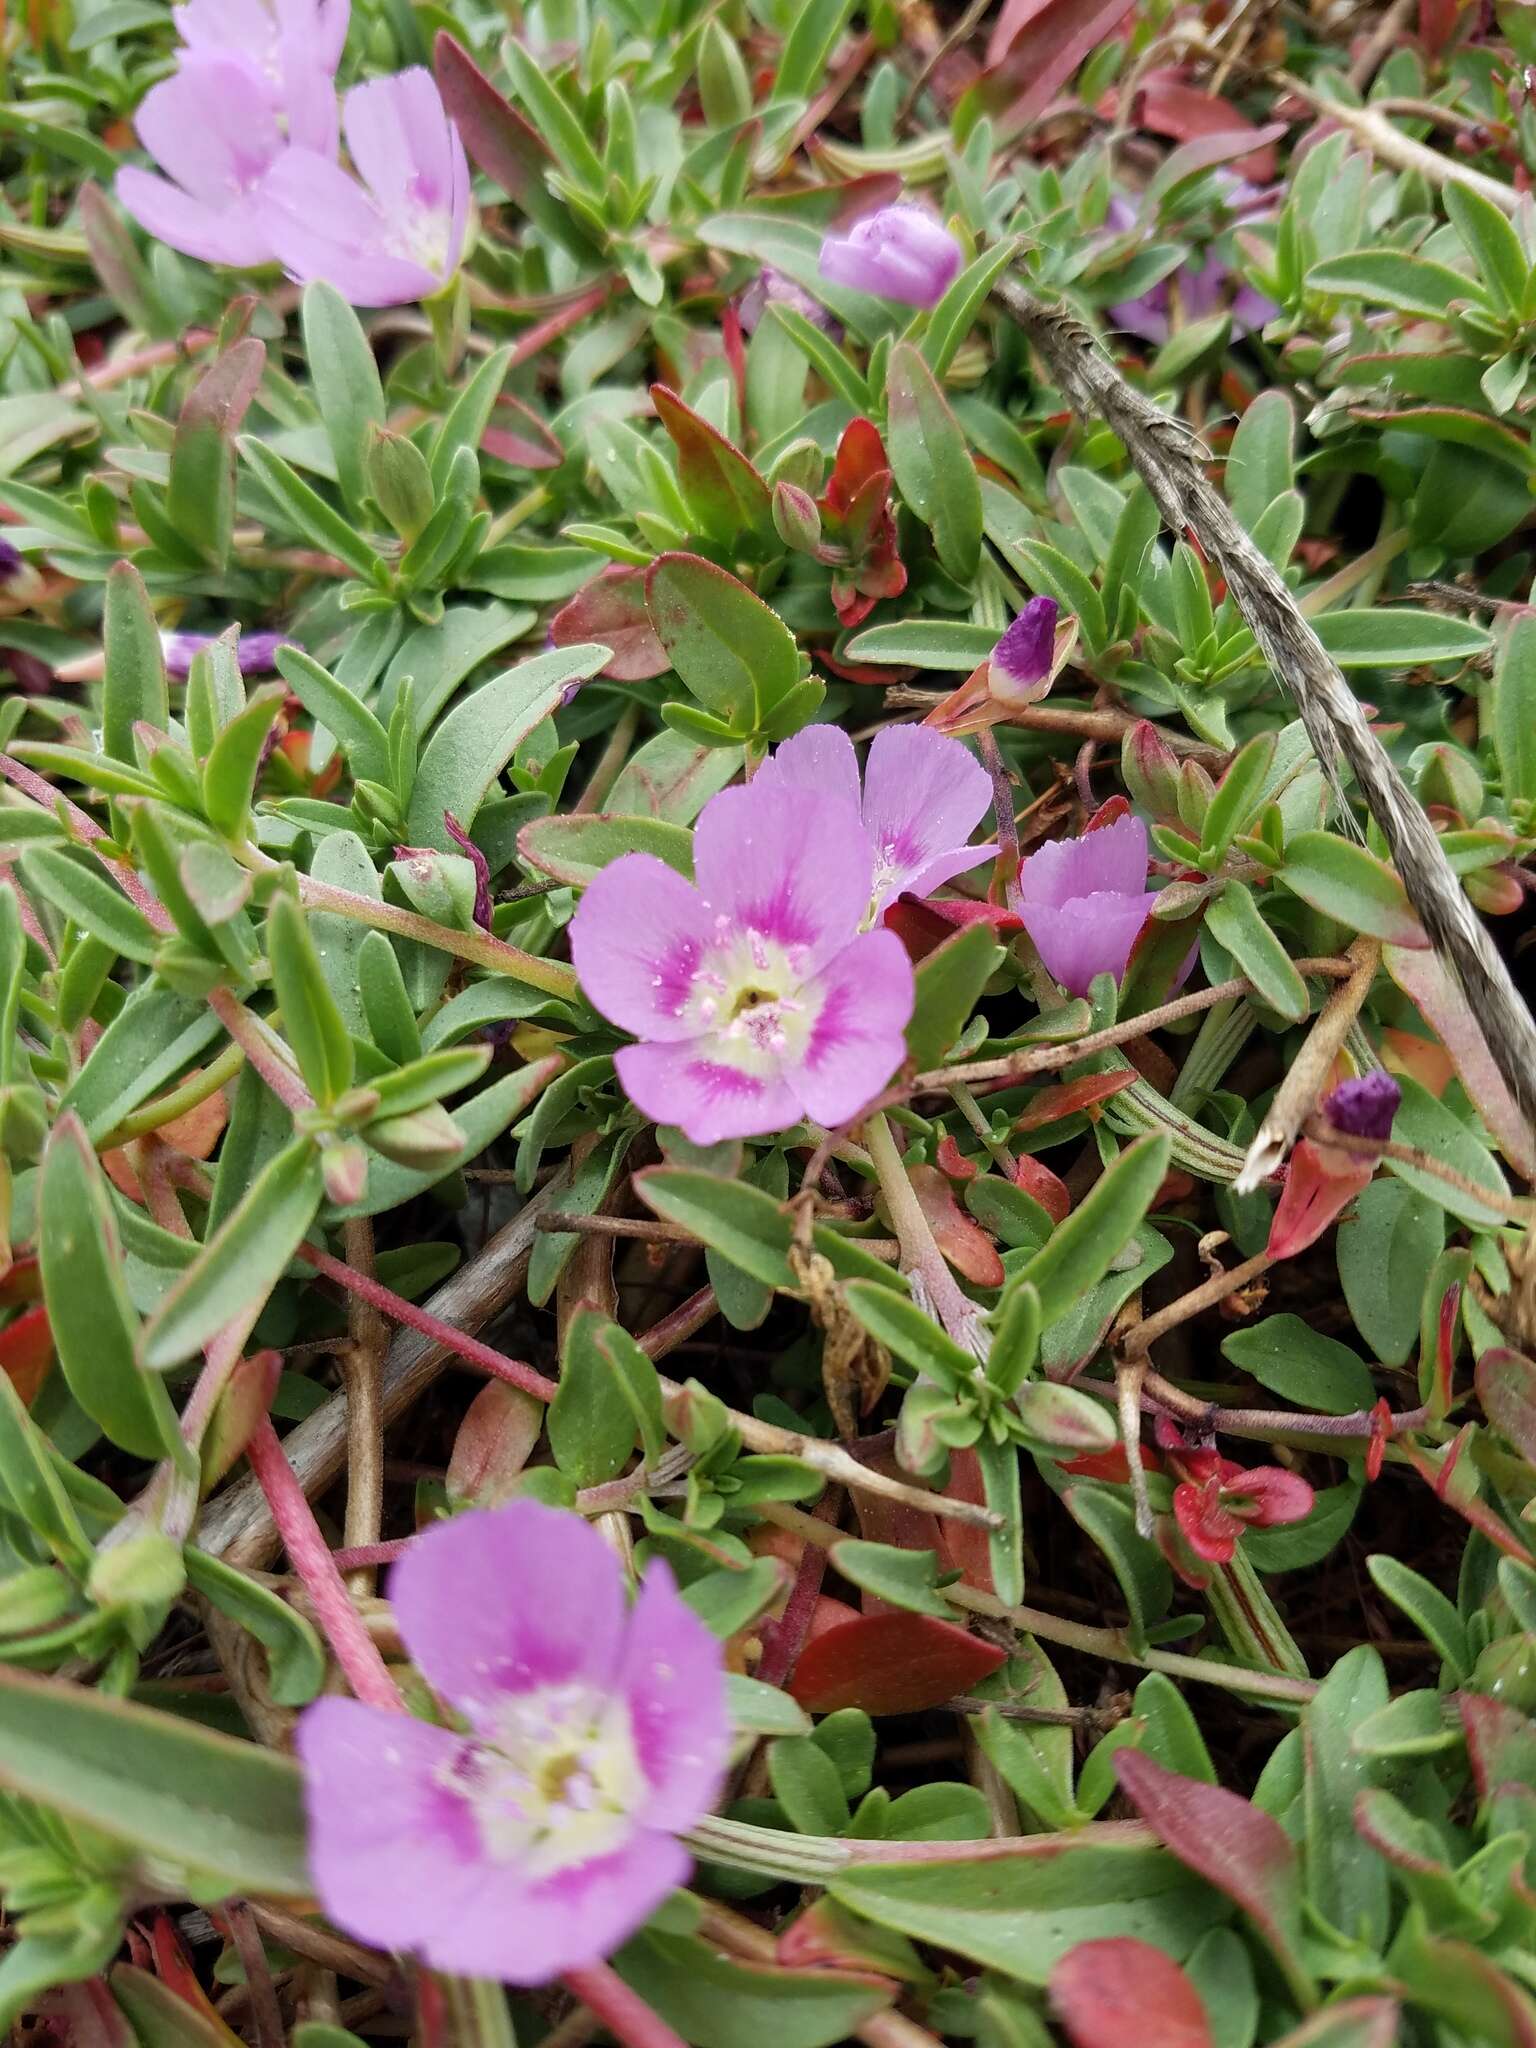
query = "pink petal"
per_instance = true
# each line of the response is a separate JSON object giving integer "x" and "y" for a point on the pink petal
{"x": 528, "y": 1934}
{"x": 1268, "y": 1495}
{"x": 320, "y": 23}
{"x": 230, "y": 234}
{"x": 308, "y": 96}
{"x": 509, "y": 1600}
{"x": 859, "y": 1037}
{"x": 672, "y": 1678}
{"x": 793, "y": 866}
{"x": 397, "y": 134}
{"x": 637, "y": 938}
{"x": 1113, "y": 861}
{"x": 1319, "y": 1186}
{"x": 221, "y": 25}
{"x": 394, "y": 1852}
{"x": 323, "y": 224}
{"x": 709, "y": 1098}
{"x": 210, "y": 127}
{"x": 819, "y": 758}
{"x": 924, "y": 795}
{"x": 1088, "y": 936}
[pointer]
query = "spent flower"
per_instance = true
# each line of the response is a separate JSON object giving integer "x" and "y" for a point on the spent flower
{"x": 755, "y": 995}
{"x": 539, "y": 1835}
{"x": 255, "y": 652}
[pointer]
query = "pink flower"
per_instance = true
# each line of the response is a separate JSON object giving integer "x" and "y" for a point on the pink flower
{"x": 399, "y": 234}
{"x": 1085, "y": 900}
{"x": 901, "y": 253}
{"x": 543, "y": 1837}
{"x": 923, "y": 797}
{"x": 214, "y": 130}
{"x": 757, "y": 998}
{"x": 293, "y": 45}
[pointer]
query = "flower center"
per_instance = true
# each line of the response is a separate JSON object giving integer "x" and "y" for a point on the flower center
{"x": 557, "y": 1782}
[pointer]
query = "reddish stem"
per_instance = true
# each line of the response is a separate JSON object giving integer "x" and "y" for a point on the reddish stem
{"x": 784, "y": 1639}
{"x": 623, "y": 2012}
{"x": 496, "y": 1363}
{"x": 359, "y": 1556}
{"x": 356, "y": 1653}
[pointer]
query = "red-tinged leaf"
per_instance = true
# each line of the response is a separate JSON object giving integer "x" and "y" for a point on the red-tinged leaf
{"x": 963, "y": 1547}
{"x": 1354, "y": 2023}
{"x": 1437, "y": 23}
{"x": 1423, "y": 1060}
{"x": 85, "y": 2016}
{"x": 494, "y": 1442}
{"x": 508, "y": 148}
{"x": 1068, "y": 1097}
{"x": 26, "y": 1352}
{"x": 1166, "y": 105}
{"x": 1241, "y": 1850}
{"x": 1109, "y": 1992}
{"x": 1506, "y": 1386}
{"x": 860, "y": 457}
{"x": 925, "y": 922}
{"x": 21, "y": 1281}
{"x": 891, "y": 1664}
{"x": 826, "y": 1936}
{"x": 611, "y": 611}
{"x": 1421, "y": 977}
{"x": 1314, "y": 1195}
{"x": 725, "y": 494}
{"x": 1110, "y": 812}
{"x": 1112, "y": 1465}
{"x": 1035, "y": 48}
{"x": 1501, "y": 1743}
{"x": 1481, "y": 2001}
{"x": 518, "y": 436}
{"x": 194, "y": 1134}
{"x": 958, "y": 1236}
{"x": 1048, "y": 1189}
{"x": 953, "y": 1162}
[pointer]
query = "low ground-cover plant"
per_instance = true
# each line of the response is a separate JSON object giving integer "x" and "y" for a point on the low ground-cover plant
{"x": 767, "y": 792}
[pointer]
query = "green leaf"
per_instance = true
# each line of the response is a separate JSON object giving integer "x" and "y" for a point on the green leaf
{"x": 1138, "y": 1565}
{"x": 94, "y": 1326}
{"x": 814, "y": 29}
{"x": 1235, "y": 921}
{"x": 200, "y": 500}
{"x": 1236, "y": 799}
{"x": 751, "y": 1229}
{"x": 727, "y": 498}
{"x": 152, "y": 1038}
{"x": 1050, "y": 573}
{"x": 1513, "y": 708}
{"x": 161, "y": 2017}
{"x": 806, "y": 1784}
{"x": 1081, "y": 1249}
{"x": 308, "y": 513}
{"x": 924, "y": 643}
{"x": 229, "y": 1812}
{"x": 295, "y": 1656}
{"x": 999, "y": 1464}
{"x": 715, "y": 2001}
{"x": 931, "y": 461}
{"x": 133, "y": 690}
{"x": 312, "y": 1023}
{"x": 1345, "y": 881}
{"x": 896, "y": 1321}
{"x": 1261, "y": 461}
{"x": 1391, "y": 277}
{"x": 1021, "y": 1912}
{"x": 950, "y": 321}
{"x": 1300, "y": 1364}
{"x": 949, "y": 985}
{"x": 75, "y": 884}
{"x": 1016, "y": 1754}
{"x": 591, "y": 1422}
{"x": 1386, "y": 1244}
{"x": 554, "y": 120}
{"x": 243, "y": 1260}
{"x": 823, "y": 353}
{"x": 1424, "y": 1121}
{"x": 1427, "y": 1608}
{"x": 363, "y": 739}
{"x": 31, "y": 1487}
{"x": 901, "y": 1578}
{"x": 1349, "y": 1890}
{"x": 230, "y": 772}
{"x": 577, "y": 846}
{"x": 466, "y": 420}
{"x": 480, "y": 735}
{"x": 732, "y": 653}
{"x": 1398, "y": 638}
{"x": 1490, "y": 241}
{"x": 345, "y": 380}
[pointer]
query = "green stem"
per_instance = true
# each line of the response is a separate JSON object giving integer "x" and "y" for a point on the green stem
{"x": 166, "y": 1108}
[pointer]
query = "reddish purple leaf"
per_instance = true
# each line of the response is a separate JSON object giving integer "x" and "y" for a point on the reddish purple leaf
{"x": 509, "y": 149}
{"x": 1506, "y": 1386}
{"x": 725, "y": 493}
{"x": 1356, "y": 2023}
{"x": 1421, "y": 976}
{"x": 1166, "y": 105}
{"x": 26, "y": 1352}
{"x": 962, "y": 1241}
{"x": 1035, "y": 48}
{"x": 891, "y": 1664}
{"x": 611, "y": 610}
{"x": 1501, "y": 1743}
{"x": 1233, "y": 1845}
{"x": 1108, "y": 1992}
{"x": 518, "y": 436}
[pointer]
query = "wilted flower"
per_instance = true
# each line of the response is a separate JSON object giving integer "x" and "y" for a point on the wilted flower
{"x": 923, "y": 797}
{"x": 541, "y": 1838}
{"x": 255, "y": 652}
{"x": 1215, "y": 1499}
{"x": 1019, "y": 672}
{"x": 1021, "y": 660}
{"x": 1322, "y": 1179}
{"x": 399, "y": 233}
{"x": 214, "y": 130}
{"x": 1202, "y": 286}
{"x": 901, "y": 253}
{"x": 757, "y": 998}
{"x": 12, "y": 562}
{"x": 771, "y": 287}
{"x": 478, "y": 862}
{"x": 1084, "y": 901}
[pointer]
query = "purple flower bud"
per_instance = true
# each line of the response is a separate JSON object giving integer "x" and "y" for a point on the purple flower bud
{"x": 256, "y": 652}
{"x": 11, "y": 563}
{"x": 1025, "y": 652}
{"x": 478, "y": 862}
{"x": 771, "y": 287}
{"x": 1364, "y": 1108}
{"x": 900, "y": 253}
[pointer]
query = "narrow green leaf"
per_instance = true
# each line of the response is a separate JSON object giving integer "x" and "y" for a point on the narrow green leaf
{"x": 363, "y": 739}
{"x": 75, "y": 884}
{"x": 1398, "y": 637}
{"x": 1391, "y": 277}
{"x": 1347, "y": 882}
{"x": 133, "y": 690}
{"x": 346, "y": 384}
{"x": 1513, "y": 703}
{"x": 308, "y": 513}
{"x": 229, "y": 774}
{"x": 1490, "y": 241}
{"x": 295, "y": 1656}
{"x": 1081, "y": 1249}
{"x": 1427, "y": 1608}
{"x": 312, "y": 1023}
{"x": 1235, "y": 922}
{"x": 931, "y": 461}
